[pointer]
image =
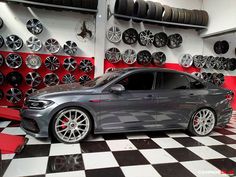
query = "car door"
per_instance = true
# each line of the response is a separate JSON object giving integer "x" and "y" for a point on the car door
{"x": 176, "y": 100}
{"x": 133, "y": 109}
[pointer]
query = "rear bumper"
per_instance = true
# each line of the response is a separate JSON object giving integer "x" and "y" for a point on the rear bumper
{"x": 224, "y": 117}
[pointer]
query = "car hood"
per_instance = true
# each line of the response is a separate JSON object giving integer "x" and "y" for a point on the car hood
{"x": 61, "y": 90}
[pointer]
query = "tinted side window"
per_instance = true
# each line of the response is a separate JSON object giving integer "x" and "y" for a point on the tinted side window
{"x": 195, "y": 84}
{"x": 138, "y": 81}
{"x": 174, "y": 81}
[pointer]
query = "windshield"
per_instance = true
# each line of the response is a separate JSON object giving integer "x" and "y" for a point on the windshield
{"x": 102, "y": 80}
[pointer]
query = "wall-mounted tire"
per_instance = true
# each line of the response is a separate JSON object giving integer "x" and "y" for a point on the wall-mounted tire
{"x": 193, "y": 18}
{"x": 187, "y": 16}
{"x": 205, "y": 18}
{"x": 67, "y": 2}
{"x": 199, "y": 17}
{"x": 57, "y": 2}
{"x": 151, "y": 10}
{"x": 167, "y": 12}
{"x": 120, "y": 7}
{"x": 77, "y": 3}
{"x": 159, "y": 11}
{"x": 175, "y": 15}
{"x": 140, "y": 9}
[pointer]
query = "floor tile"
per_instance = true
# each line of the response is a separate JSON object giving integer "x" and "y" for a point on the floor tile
{"x": 232, "y": 136}
{"x": 94, "y": 138}
{"x": 225, "y": 165}
{"x": 4, "y": 124}
{"x": 232, "y": 130}
{"x": 233, "y": 159}
{"x": 225, "y": 150}
{"x": 140, "y": 171}
{"x": 137, "y": 136}
{"x": 144, "y": 144}
{"x": 33, "y": 141}
{"x": 205, "y": 152}
{"x": 114, "y": 136}
{"x": 188, "y": 142}
{"x": 4, "y": 164}
{"x": 183, "y": 154}
{"x": 177, "y": 134}
{"x": 64, "y": 149}
{"x": 120, "y": 145}
{"x": 34, "y": 151}
{"x": 167, "y": 142}
{"x": 157, "y": 134}
{"x": 13, "y": 131}
{"x": 128, "y": 158}
{"x": 68, "y": 174}
{"x": 173, "y": 169}
{"x": 202, "y": 168}
{"x": 224, "y": 131}
{"x": 65, "y": 163}
{"x": 27, "y": 167}
{"x": 208, "y": 141}
{"x": 225, "y": 139}
{"x": 157, "y": 156}
{"x": 99, "y": 160}
{"x": 106, "y": 172}
{"x": 7, "y": 156}
{"x": 232, "y": 146}
{"x": 94, "y": 146}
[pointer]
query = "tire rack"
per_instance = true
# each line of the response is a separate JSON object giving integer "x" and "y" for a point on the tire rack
{"x": 24, "y": 70}
{"x": 162, "y": 23}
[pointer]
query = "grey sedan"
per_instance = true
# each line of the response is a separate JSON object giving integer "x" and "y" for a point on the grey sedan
{"x": 127, "y": 100}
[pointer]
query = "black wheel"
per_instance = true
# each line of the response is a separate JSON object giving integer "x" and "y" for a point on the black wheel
{"x": 158, "y": 58}
{"x": 14, "y": 95}
{"x": 232, "y": 64}
{"x": 144, "y": 57}
{"x": 30, "y": 91}
{"x": 174, "y": 41}
{"x": 14, "y": 78}
{"x": 218, "y": 79}
{"x": 51, "y": 79}
{"x": 1, "y": 94}
{"x": 77, "y": 3}
{"x": 151, "y": 10}
{"x": 224, "y": 47}
{"x": 86, "y": 66}
{"x": 68, "y": 79}
{"x": 83, "y": 79}
{"x": 1, "y": 60}
{"x": 33, "y": 79}
{"x": 13, "y": 60}
{"x": 217, "y": 47}
{"x": 146, "y": 38}
{"x": 2, "y": 78}
{"x": 70, "y": 64}
{"x": 113, "y": 55}
{"x": 34, "y": 26}
{"x": 71, "y": 125}
{"x": 52, "y": 63}
{"x": 210, "y": 62}
{"x": 14, "y": 42}
{"x": 202, "y": 122}
{"x": 160, "y": 39}
{"x": 140, "y": 9}
{"x": 70, "y": 48}
{"x": 1, "y": 41}
{"x": 130, "y": 36}
{"x": 199, "y": 61}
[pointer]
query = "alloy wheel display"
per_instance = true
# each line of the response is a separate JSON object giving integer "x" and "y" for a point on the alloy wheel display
{"x": 144, "y": 57}
{"x": 114, "y": 34}
{"x": 34, "y": 26}
{"x": 52, "y": 45}
{"x": 129, "y": 56}
{"x": 186, "y": 61}
{"x": 130, "y": 36}
{"x": 70, "y": 48}
{"x": 83, "y": 79}
{"x": 51, "y": 79}
{"x": 14, "y": 95}
{"x": 145, "y": 38}
{"x": 33, "y": 61}
{"x": 210, "y": 62}
{"x": 1, "y": 60}
{"x": 218, "y": 79}
{"x": 68, "y": 79}
{"x": 52, "y": 63}
{"x": 113, "y": 55}
{"x": 86, "y": 66}
{"x": 174, "y": 41}
{"x": 14, "y": 42}
{"x": 198, "y": 75}
{"x": 14, "y": 78}
{"x": 70, "y": 64}
{"x": 158, "y": 58}
{"x": 2, "y": 78}
{"x": 34, "y": 44}
{"x": 30, "y": 91}
{"x": 199, "y": 61}
{"x": 1, "y": 41}
{"x": 33, "y": 79}
{"x": 13, "y": 60}
{"x": 160, "y": 40}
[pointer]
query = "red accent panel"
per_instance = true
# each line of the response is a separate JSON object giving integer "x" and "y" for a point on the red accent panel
{"x": 24, "y": 70}
{"x": 8, "y": 113}
{"x": 10, "y": 143}
{"x": 230, "y": 83}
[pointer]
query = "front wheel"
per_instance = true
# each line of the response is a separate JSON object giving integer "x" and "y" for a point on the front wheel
{"x": 71, "y": 125}
{"x": 203, "y": 122}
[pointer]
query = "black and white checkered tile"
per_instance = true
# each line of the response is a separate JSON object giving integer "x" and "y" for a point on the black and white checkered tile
{"x": 153, "y": 154}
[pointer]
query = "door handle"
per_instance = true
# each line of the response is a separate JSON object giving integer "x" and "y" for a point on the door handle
{"x": 148, "y": 97}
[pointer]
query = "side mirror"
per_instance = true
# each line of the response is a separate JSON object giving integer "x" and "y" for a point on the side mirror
{"x": 117, "y": 88}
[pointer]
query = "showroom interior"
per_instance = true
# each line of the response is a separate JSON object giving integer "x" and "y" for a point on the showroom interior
{"x": 53, "y": 47}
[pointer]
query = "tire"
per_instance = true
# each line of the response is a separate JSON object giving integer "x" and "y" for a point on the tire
{"x": 167, "y": 12}
{"x": 187, "y": 16}
{"x": 70, "y": 125}
{"x": 94, "y": 4}
{"x": 181, "y": 16}
{"x": 151, "y": 10}
{"x": 205, "y": 18}
{"x": 193, "y": 18}
{"x": 175, "y": 15}
{"x": 57, "y": 2}
{"x": 77, "y": 3}
{"x": 130, "y": 7}
{"x": 195, "y": 121}
{"x": 67, "y": 2}
{"x": 1, "y": 23}
{"x": 140, "y": 9}
{"x": 199, "y": 17}
{"x": 159, "y": 11}
{"x": 120, "y": 7}
{"x": 86, "y": 4}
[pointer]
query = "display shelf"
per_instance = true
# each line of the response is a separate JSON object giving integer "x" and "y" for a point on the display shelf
{"x": 31, "y": 3}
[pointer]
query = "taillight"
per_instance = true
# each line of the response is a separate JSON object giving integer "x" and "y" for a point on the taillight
{"x": 229, "y": 96}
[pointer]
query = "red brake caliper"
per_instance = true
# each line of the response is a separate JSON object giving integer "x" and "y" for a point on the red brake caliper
{"x": 64, "y": 121}
{"x": 195, "y": 122}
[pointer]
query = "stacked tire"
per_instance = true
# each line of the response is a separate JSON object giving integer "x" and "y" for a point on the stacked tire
{"x": 156, "y": 11}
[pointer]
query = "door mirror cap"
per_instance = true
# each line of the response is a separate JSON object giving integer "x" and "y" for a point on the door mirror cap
{"x": 117, "y": 88}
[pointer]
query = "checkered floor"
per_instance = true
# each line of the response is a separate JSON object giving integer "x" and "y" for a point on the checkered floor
{"x": 166, "y": 154}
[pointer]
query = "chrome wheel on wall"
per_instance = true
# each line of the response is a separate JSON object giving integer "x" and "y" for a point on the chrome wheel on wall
{"x": 14, "y": 95}
{"x": 33, "y": 61}
{"x": 186, "y": 61}
{"x": 14, "y": 42}
{"x": 52, "y": 63}
{"x": 52, "y": 45}
{"x": 146, "y": 38}
{"x": 113, "y": 55}
{"x": 83, "y": 79}
{"x": 70, "y": 48}
{"x": 30, "y": 91}
{"x": 129, "y": 56}
{"x": 71, "y": 125}
{"x": 68, "y": 79}
{"x": 51, "y": 79}
{"x": 13, "y": 60}
{"x": 202, "y": 122}
{"x": 34, "y": 44}
{"x": 114, "y": 34}
{"x": 70, "y": 64}
{"x": 34, "y": 26}
{"x": 33, "y": 79}
{"x": 86, "y": 66}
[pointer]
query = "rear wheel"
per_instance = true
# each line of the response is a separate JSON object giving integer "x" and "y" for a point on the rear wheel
{"x": 203, "y": 122}
{"x": 71, "y": 125}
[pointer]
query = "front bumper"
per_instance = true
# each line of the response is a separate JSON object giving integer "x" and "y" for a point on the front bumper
{"x": 36, "y": 122}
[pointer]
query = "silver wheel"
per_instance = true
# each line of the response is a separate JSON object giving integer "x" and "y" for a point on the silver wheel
{"x": 113, "y": 55}
{"x": 129, "y": 56}
{"x": 86, "y": 66}
{"x": 52, "y": 63}
{"x": 14, "y": 42}
{"x": 70, "y": 48}
{"x": 13, "y": 60}
{"x": 186, "y": 61}
{"x": 203, "y": 122}
{"x": 33, "y": 61}
{"x": 14, "y": 95}
{"x": 146, "y": 38}
{"x": 68, "y": 79}
{"x": 51, "y": 79}
{"x": 30, "y": 91}
{"x": 199, "y": 61}
{"x": 33, "y": 79}
{"x": 70, "y": 64}
{"x": 52, "y": 45}
{"x": 210, "y": 62}
{"x": 114, "y": 34}
{"x": 71, "y": 125}
{"x": 34, "y": 44}
{"x": 83, "y": 79}
{"x": 34, "y": 26}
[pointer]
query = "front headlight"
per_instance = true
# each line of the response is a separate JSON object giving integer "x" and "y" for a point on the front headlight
{"x": 38, "y": 104}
